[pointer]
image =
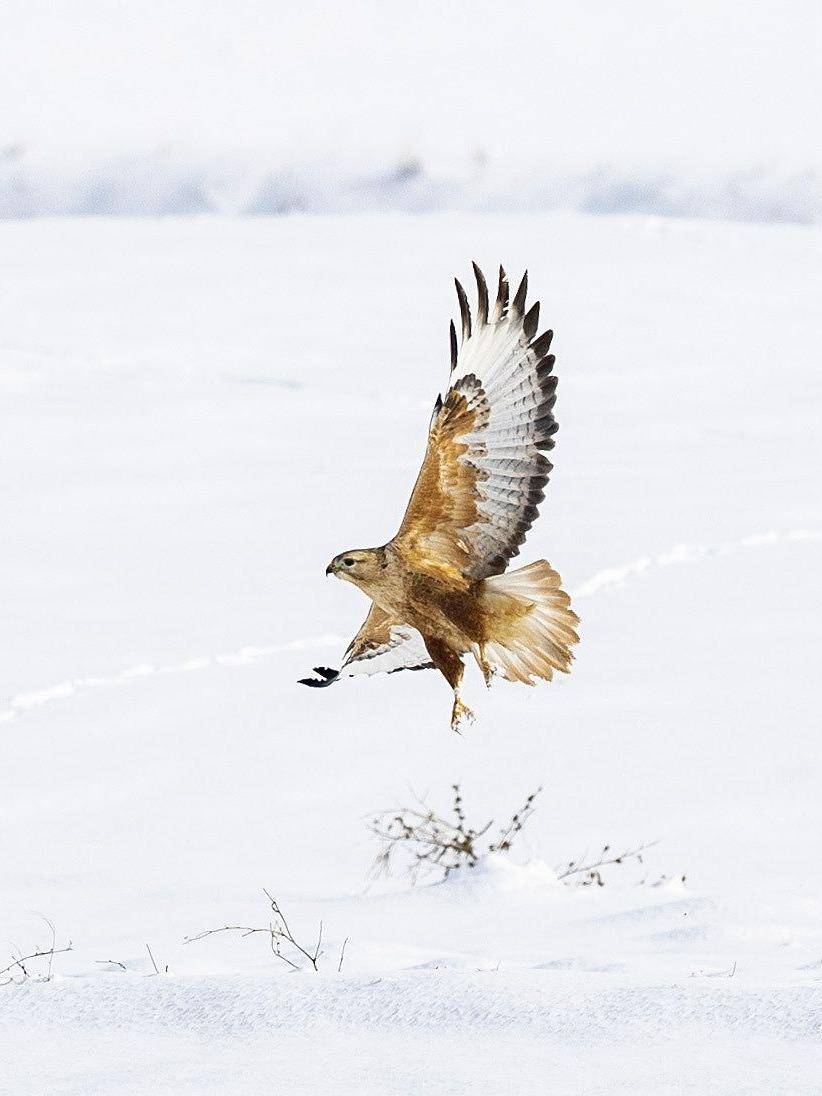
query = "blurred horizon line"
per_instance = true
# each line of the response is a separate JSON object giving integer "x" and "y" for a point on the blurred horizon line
{"x": 168, "y": 181}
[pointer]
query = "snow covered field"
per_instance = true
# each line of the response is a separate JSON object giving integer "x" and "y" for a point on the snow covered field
{"x": 196, "y": 415}
{"x": 260, "y": 106}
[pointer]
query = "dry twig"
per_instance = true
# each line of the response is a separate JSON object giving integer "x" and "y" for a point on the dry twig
{"x": 587, "y": 872}
{"x": 18, "y": 971}
{"x": 342, "y": 955}
{"x": 113, "y": 963}
{"x": 283, "y": 943}
{"x": 154, "y": 964}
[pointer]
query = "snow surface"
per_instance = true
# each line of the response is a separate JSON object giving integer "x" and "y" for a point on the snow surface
{"x": 174, "y": 106}
{"x": 196, "y": 415}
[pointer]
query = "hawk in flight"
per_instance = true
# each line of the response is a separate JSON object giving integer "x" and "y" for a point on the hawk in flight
{"x": 439, "y": 589}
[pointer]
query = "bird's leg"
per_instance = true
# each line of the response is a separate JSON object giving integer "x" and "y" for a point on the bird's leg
{"x": 460, "y": 713}
{"x": 449, "y": 663}
{"x": 485, "y": 666}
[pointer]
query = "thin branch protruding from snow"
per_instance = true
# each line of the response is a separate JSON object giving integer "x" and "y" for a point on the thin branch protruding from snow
{"x": 18, "y": 962}
{"x": 280, "y": 938}
{"x": 154, "y": 964}
{"x": 342, "y": 955}
{"x": 113, "y": 962}
{"x": 591, "y": 871}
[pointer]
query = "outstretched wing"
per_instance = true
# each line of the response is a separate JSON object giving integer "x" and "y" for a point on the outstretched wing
{"x": 382, "y": 645}
{"x": 484, "y": 471}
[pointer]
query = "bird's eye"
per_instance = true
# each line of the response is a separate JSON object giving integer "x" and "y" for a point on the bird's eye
{"x": 348, "y": 562}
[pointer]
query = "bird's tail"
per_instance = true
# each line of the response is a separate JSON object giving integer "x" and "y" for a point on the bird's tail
{"x": 531, "y": 625}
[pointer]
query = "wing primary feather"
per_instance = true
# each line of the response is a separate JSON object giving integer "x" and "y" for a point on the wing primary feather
{"x": 453, "y": 337}
{"x": 501, "y": 307}
{"x": 531, "y": 321}
{"x": 545, "y": 440}
{"x": 546, "y": 365}
{"x": 482, "y": 296}
{"x": 518, "y": 304}
{"x": 326, "y": 677}
{"x": 542, "y": 345}
{"x": 465, "y": 311}
{"x": 546, "y": 379}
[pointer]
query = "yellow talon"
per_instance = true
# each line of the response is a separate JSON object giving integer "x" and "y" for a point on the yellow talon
{"x": 460, "y": 714}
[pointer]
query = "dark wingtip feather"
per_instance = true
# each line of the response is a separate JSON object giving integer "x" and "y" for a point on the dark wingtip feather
{"x": 542, "y": 345}
{"x": 545, "y": 376}
{"x": 501, "y": 307}
{"x": 482, "y": 295}
{"x": 531, "y": 321}
{"x": 545, "y": 429}
{"x": 465, "y": 311}
{"x": 327, "y": 677}
{"x": 519, "y": 299}
{"x": 453, "y": 338}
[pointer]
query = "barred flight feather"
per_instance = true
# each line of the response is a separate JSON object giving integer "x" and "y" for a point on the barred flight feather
{"x": 488, "y": 433}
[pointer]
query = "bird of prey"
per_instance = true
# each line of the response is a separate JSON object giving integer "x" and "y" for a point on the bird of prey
{"x": 439, "y": 589}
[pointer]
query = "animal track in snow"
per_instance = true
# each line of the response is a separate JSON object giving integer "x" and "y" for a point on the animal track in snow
{"x": 79, "y": 686}
{"x": 610, "y": 578}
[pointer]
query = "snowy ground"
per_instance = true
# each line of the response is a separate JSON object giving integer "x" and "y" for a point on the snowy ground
{"x": 198, "y": 414}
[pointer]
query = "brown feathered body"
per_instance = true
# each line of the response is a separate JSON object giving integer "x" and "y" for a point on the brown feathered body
{"x": 462, "y": 619}
{"x": 439, "y": 588}
{"x": 421, "y": 600}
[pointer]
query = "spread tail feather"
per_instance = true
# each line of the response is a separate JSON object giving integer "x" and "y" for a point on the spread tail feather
{"x": 532, "y": 625}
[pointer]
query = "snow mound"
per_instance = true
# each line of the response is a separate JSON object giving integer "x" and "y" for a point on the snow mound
{"x": 496, "y": 874}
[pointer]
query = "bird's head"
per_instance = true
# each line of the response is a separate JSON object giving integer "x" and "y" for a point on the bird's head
{"x": 362, "y": 566}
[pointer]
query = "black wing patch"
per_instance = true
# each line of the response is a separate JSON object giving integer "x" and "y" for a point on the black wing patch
{"x": 327, "y": 677}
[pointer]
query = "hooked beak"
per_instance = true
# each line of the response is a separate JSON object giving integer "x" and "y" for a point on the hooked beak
{"x": 330, "y": 568}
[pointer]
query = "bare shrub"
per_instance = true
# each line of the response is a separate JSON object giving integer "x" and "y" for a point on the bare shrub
{"x": 428, "y": 841}
{"x": 37, "y": 965}
{"x": 284, "y": 945}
